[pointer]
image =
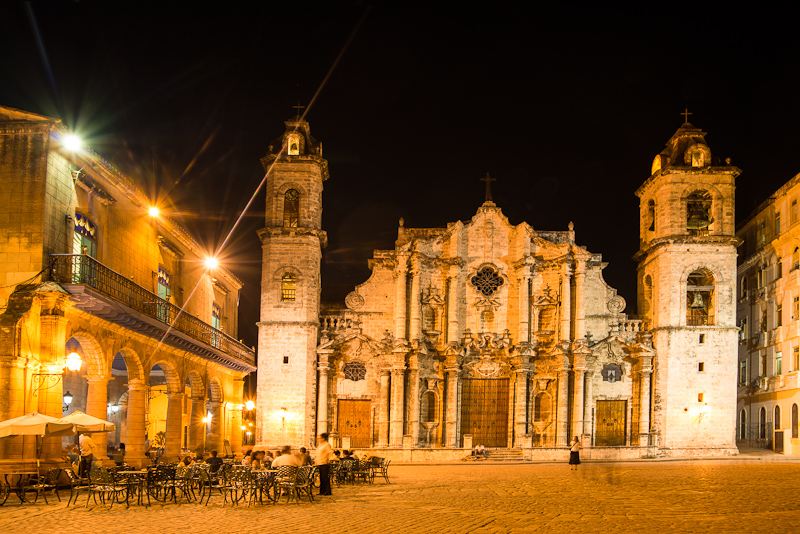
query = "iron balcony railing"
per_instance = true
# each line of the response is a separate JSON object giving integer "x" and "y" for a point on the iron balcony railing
{"x": 83, "y": 269}
{"x": 699, "y": 320}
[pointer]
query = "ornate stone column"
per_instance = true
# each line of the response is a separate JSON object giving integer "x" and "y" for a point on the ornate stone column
{"x": 134, "y": 447}
{"x": 214, "y": 427}
{"x": 415, "y": 298}
{"x": 524, "y": 306}
{"x": 562, "y": 428}
{"x": 235, "y": 431}
{"x": 413, "y": 398}
{"x": 172, "y": 442}
{"x": 452, "y": 305}
{"x": 588, "y": 402}
{"x": 644, "y": 415}
{"x": 578, "y": 400}
{"x": 52, "y": 340}
{"x": 566, "y": 305}
{"x": 398, "y": 395}
{"x": 452, "y": 370}
{"x": 322, "y": 394}
{"x": 97, "y": 406}
{"x": 383, "y": 413}
{"x": 580, "y": 310}
{"x": 520, "y": 405}
{"x": 196, "y": 425}
{"x": 12, "y": 401}
{"x": 400, "y": 298}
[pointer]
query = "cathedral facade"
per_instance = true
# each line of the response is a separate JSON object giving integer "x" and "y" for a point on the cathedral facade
{"x": 494, "y": 333}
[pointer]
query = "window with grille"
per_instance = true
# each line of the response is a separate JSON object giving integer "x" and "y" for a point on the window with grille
{"x": 288, "y": 287}
{"x": 487, "y": 281}
{"x": 355, "y": 371}
{"x": 291, "y": 208}
{"x": 777, "y": 223}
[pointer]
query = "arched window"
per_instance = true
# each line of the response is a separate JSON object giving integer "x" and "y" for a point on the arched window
{"x": 428, "y": 407}
{"x": 777, "y": 419}
{"x": 700, "y": 298}
{"x": 794, "y": 422}
{"x": 293, "y": 145}
{"x": 288, "y": 287}
{"x": 743, "y": 425}
{"x": 698, "y": 213}
{"x": 651, "y": 215}
{"x": 291, "y": 208}
{"x": 762, "y": 423}
{"x": 541, "y": 408}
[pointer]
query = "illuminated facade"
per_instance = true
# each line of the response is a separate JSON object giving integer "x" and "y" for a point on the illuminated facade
{"x": 500, "y": 334}
{"x": 768, "y": 313}
{"x": 86, "y": 268}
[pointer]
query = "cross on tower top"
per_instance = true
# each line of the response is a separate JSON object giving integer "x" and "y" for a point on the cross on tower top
{"x": 488, "y": 179}
{"x": 299, "y": 109}
{"x": 686, "y": 114}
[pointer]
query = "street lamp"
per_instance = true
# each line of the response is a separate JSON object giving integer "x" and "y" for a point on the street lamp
{"x": 72, "y": 142}
{"x": 249, "y": 405}
{"x": 67, "y": 400}
{"x": 74, "y": 362}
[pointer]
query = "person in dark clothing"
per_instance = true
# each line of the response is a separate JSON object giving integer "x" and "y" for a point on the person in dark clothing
{"x": 214, "y": 462}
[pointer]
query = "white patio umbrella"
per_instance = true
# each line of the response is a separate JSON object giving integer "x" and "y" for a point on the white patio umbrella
{"x": 87, "y": 424}
{"x": 36, "y": 424}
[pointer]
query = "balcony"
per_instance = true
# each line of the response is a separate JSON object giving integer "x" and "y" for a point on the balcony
{"x": 699, "y": 320}
{"x": 102, "y": 292}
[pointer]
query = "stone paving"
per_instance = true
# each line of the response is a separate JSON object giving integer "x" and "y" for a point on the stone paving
{"x": 720, "y": 496}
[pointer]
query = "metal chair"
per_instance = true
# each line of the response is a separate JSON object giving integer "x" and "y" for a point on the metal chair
{"x": 285, "y": 481}
{"x": 103, "y": 483}
{"x": 76, "y": 485}
{"x": 41, "y": 485}
{"x": 383, "y": 470}
{"x": 239, "y": 484}
{"x": 304, "y": 482}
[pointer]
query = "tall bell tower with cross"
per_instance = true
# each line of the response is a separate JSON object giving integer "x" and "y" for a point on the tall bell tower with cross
{"x": 292, "y": 242}
{"x": 686, "y": 295}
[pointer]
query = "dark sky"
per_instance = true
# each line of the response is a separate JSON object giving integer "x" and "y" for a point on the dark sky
{"x": 565, "y": 106}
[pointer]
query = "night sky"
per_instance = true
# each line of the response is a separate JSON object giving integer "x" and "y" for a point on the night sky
{"x": 565, "y": 106}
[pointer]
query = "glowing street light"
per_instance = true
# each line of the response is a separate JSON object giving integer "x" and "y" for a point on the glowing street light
{"x": 249, "y": 405}
{"x": 72, "y": 142}
{"x": 153, "y": 211}
{"x": 211, "y": 262}
{"x": 74, "y": 362}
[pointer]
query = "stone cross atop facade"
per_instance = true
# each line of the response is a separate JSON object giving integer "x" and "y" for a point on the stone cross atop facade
{"x": 686, "y": 114}
{"x": 488, "y": 180}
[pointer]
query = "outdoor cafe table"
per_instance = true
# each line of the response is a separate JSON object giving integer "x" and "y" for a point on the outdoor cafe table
{"x": 18, "y": 487}
{"x": 139, "y": 478}
{"x": 265, "y": 477}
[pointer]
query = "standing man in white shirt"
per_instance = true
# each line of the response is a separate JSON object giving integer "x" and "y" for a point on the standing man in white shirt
{"x": 87, "y": 447}
{"x": 324, "y": 455}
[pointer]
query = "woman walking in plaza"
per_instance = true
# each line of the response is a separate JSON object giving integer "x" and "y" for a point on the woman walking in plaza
{"x": 574, "y": 454}
{"x": 324, "y": 455}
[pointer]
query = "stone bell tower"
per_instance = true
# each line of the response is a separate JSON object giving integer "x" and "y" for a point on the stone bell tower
{"x": 686, "y": 291}
{"x": 292, "y": 243}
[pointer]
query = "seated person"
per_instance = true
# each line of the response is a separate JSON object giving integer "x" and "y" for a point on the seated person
{"x": 187, "y": 461}
{"x": 269, "y": 458}
{"x": 479, "y": 450}
{"x": 304, "y": 457}
{"x": 258, "y": 461}
{"x": 214, "y": 462}
{"x": 248, "y": 457}
{"x": 286, "y": 458}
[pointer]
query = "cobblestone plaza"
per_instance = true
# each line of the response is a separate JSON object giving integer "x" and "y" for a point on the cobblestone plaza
{"x": 741, "y": 495}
